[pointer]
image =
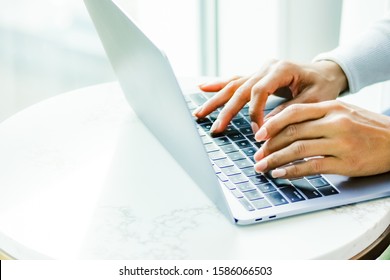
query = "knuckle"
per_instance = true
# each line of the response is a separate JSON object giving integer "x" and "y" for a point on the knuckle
{"x": 232, "y": 85}
{"x": 292, "y": 130}
{"x": 299, "y": 149}
{"x": 272, "y": 160}
{"x": 284, "y": 66}
{"x": 316, "y": 166}
{"x": 293, "y": 109}
{"x": 343, "y": 121}
{"x": 294, "y": 171}
{"x": 258, "y": 88}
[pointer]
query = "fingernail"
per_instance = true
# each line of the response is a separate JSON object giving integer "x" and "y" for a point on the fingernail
{"x": 277, "y": 173}
{"x": 255, "y": 127}
{"x": 261, "y": 165}
{"x": 259, "y": 155}
{"x": 261, "y": 134}
{"x": 215, "y": 126}
{"x": 197, "y": 111}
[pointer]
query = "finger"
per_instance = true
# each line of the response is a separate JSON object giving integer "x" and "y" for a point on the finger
{"x": 213, "y": 86}
{"x": 296, "y": 151}
{"x": 239, "y": 99}
{"x": 295, "y": 113}
{"x": 294, "y": 132}
{"x": 306, "y": 96}
{"x": 231, "y": 109}
{"x": 313, "y": 166}
{"x": 220, "y": 98}
{"x": 281, "y": 75}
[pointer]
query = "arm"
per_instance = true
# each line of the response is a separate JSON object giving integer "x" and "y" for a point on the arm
{"x": 333, "y": 136}
{"x": 366, "y": 60}
{"x": 308, "y": 83}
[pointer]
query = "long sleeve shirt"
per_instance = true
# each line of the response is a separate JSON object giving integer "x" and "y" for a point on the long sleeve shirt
{"x": 366, "y": 60}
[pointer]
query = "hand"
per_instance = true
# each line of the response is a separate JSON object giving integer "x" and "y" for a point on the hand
{"x": 334, "y": 137}
{"x": 308, "y": 83}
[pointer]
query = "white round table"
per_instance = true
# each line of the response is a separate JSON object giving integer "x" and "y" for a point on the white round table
{"x": 82, "y": 178}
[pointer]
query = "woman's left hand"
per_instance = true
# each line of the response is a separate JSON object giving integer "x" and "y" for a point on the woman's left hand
{"x": 333, "y": 137}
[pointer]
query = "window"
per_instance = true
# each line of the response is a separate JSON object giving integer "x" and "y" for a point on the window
{"x": 49, "y": 47}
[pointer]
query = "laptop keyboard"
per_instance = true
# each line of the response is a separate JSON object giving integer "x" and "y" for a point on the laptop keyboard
{"x": 231, "y": 154}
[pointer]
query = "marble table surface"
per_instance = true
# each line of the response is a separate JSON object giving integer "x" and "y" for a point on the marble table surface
{"x": 82, "y": 178}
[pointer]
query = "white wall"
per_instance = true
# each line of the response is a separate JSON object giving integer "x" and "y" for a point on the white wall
{"x": 357, "y": 16}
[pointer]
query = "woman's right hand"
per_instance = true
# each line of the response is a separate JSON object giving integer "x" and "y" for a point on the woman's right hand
{"x": 308, "y": 83}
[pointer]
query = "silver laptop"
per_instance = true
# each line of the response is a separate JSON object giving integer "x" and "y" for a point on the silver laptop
{"x": 221, "y": 166}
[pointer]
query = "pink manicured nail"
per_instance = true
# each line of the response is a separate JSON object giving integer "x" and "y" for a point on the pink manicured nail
{"x": 215, "y": 126}
{"x": 261, "y": 134}
{"x": 261, "y": 165}
{"x": 259, "y": 155}
{"x": 197, "y": 111}
{"x": 277, "y": 173}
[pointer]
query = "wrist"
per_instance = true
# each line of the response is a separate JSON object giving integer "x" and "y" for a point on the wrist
{"x": 334, "y": 74}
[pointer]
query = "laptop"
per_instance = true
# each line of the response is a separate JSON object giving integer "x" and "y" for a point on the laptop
{"x": 221, "y": 166}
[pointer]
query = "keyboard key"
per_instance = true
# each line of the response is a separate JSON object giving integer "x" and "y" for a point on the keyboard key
{"x": 258, "y": 179}
{"x": 246, "y": 130}
{"x": 222, "y": 177}
{"x": 216, "y": 155}
{"x": 246, "y": 204}
{"x": 220, "y": 141}
{"x": 261, "y": 203}
{"x": 240, "y": 122}
{"x": 328, "y": 190}
{"x": 230, "y": 148}
{"x": 191, "y": 106}
{"x": 216, "y": 169}
{"x": 211, "y": 147}
{"x": 249, "y": 152}
{"x": 251, "y": 138}
{"x": 258, "y": 144}
{"x": 201, "y": 132}
{"x": 208, "y": 94}
{"x": 243, "y": 144}
{"x": 252, "y": 195}
{"x": 319, "y": 182}
{"x": 267, "y": 187}
{"x": 230, "y": 129}
{"x": 236, "y": 156}
{"x": 206, "y": 139}
{"x": 245, "y": 186}
{"x": 203, "y": 120}
{"x": 235, "y": 136}
{"x": 243, "y": 163}
{"x": 229, "y": 185}
{"x": 223, "y": 162}
{"x": 304, "y": 187}
{"x": 239, "y": 178}
{"x": 230, "y": 170}
{"x": 249, "y": 171}
{"x": 237, "y": 193}
{"x": 245, "y": 111}
{"x": 206, "y": 126}
{"x": 276, "y": 198}
{"x": 292, "y": 194}
{"x": 198, "y": 98}
{"x": 281, "y": 183}
{"x": 214, "y": 115}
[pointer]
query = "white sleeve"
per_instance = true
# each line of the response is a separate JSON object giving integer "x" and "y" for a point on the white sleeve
{"x": 366, "y": 60}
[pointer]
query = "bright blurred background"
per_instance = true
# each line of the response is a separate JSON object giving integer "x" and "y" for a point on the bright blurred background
{"x": 50, "y": 47}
